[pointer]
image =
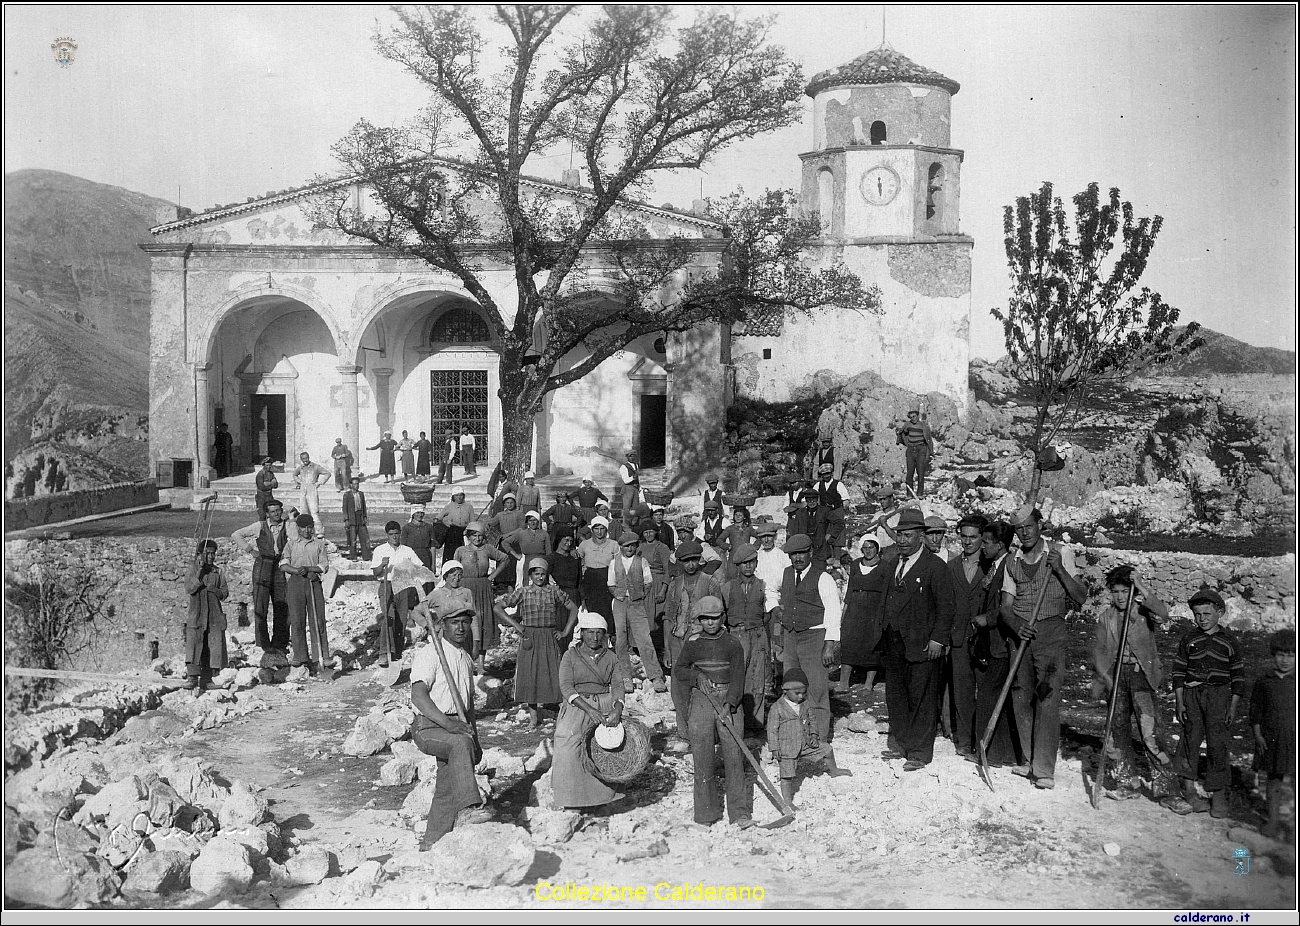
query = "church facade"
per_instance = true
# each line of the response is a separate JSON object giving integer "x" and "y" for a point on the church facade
{"x": 294, "y": 336}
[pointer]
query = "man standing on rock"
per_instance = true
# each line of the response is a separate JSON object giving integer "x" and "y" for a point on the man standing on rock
{"x": 1039, "y": 571}
{"x": 809, "y": 616}
{"x": 918, "y": 612}
{"x": 918, "y": 443}
{"x": 266, "y": 541}
{"x": 439, "y": 686}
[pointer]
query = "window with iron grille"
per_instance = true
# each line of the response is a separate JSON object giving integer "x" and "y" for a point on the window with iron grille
{"x": 459, "y": 403}
{"x": 460, "y": 325}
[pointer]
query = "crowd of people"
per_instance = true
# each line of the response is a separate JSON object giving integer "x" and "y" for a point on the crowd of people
{"x": 741, "y": 633}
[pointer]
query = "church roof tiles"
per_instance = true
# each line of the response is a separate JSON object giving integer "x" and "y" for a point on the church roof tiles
{"x": 882, "y": 65}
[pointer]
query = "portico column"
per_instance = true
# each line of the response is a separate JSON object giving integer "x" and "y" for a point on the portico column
{"x": 202, "y": 424}
{"x": 382, "y": 404}
{"x": 351, "y": 413}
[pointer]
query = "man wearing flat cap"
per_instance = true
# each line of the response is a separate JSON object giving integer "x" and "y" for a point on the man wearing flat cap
{"x": 809, "y": 519}
{"x": 303, "y": 562}
{"x": 710, "y": 494}
{"x": 1041, "y": 587}
{"x": 809, "y": 616}
{"x": 265, "y": 483}
{"x": 748, "y": 621}
{"x": 918, "y": 611}
{"x": 684, "y": 592}
{"x": 830, "y": 500}
{"x": 914, "y": 434}
{"x": 632, "y": 588}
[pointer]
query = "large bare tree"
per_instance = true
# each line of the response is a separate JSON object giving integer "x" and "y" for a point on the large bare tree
{"x": 631, "y": 95}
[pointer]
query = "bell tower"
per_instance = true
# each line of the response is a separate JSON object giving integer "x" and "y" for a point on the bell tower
{"x": 883, "y": 164}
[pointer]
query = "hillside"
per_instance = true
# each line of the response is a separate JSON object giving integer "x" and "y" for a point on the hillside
{"x": 1224, "y": 355}
{"x": 76, "y": 305}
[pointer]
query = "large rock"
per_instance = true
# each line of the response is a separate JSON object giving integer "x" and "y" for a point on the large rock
{"x": 396, "y": 722}
{"x": 46, "y": 878}
{"x": 363, "y": 880}
{"x": 165, "y": 805}
{"x": 550, "y": 827}
{"x": 192, "y": 781}
{"x": 253, "y": 838}
{"x": 244, "y": 807}
{"x": 311, "y": 865}
{"x": 366, "y": 738}
{"x": 483, "y": 855}
{"x": 542, "y": 794}
{"x": 187, "y": 844}
{"x": 159, "y": 872}
{"x": 114, "y": 800}
{"x": 490, "y": 693}
{"x": 501, "y": 763}
{"x": 397, "y": 771}
{"x": 416, "y": 805}
{"x": 120, "y": 846}
{"x": 152, "y": 726}
{"x": 224, "y": 866}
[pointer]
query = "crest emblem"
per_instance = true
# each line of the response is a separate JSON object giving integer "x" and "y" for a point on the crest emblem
{"x": 1241, "y": 857}
{"x": 64, "y": 50}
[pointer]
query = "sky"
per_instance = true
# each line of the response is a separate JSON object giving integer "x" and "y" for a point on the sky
{"x": 1189, "y": 110}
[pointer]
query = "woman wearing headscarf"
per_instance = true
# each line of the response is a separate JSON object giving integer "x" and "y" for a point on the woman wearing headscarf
{"x": 596, "y": 552}
{"x": 423, "y": 455}
{"x": 566, "y": 572}
{"x": 455, "y": 515}
{"x": 738, "y": 533}
{"x": 449, "y": 597}
{"x": 591, "y": 686}
{"x": 477, "y": 559}
{"x": 526, "y": 543}
{"x": 863, "y": 599}
{"x": 406, "y": 447}
{"x": 541, "y": 628}
{"x": 387, "y": 457}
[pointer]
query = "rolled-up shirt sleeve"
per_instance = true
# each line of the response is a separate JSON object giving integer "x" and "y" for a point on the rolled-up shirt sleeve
{"x": 830, "y": 596}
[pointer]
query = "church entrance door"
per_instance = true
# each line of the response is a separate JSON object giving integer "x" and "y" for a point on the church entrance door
{"x": 270, "y": 436}
{"x": 458, "y": 402}
{"x": 653, "y": 430}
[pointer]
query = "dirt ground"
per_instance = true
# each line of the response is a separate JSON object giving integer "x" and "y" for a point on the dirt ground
{"x": 938, "y": 838}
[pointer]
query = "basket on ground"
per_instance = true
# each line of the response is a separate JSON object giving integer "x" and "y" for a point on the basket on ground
{"x": 417, "y": 494}
{"x": 739, "y": 501}
{"x": 620, "y": 765}
{"x": 658, "y": 498}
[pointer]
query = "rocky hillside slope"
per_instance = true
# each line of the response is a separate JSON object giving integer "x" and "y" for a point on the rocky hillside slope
{"x": 76, "y": 305}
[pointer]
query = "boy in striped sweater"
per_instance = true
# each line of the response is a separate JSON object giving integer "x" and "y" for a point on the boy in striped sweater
{"x": 1209, "y": 680}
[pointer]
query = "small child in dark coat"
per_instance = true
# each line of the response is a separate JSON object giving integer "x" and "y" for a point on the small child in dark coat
{"x": 1272, "y": 717}
{"x": 792, "y": 733}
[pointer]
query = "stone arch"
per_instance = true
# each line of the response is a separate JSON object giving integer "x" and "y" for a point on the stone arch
{"x": 386, "y": 297}
{"x": 879, "y": 133}
{"x": 206, "y": 335}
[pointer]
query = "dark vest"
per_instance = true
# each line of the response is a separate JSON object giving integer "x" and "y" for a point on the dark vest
{"x": 631, "y": 580}
{"x": 267, "y": 545}
{"x": 1029, "y": 583}
{"x": 745, "y": 610}
{"x": 801, "y": 604}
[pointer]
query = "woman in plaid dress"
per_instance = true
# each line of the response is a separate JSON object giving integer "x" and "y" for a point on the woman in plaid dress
{"x": 537, "y": 671}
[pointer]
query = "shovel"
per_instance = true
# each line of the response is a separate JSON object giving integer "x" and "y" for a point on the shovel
{"x": 393, "y": 671}
{"x": 765, "y": 784}
{"x": 983, "y": 745}
{"x": 1097, "y": 786}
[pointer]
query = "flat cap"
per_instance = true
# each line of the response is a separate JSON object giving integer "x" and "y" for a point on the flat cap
{"x": 799, "y": 543}
{"x": 765, "y": 528}
{"x": 935, "y": 523}
{"x": 744, "y": 553}
{"x": 628, "y": 537}
{"x": 708, "y": 606}
{"x": 689, "y": 549}
{"x": 1206, "y": 595}
{"x": 1023, "y": 515}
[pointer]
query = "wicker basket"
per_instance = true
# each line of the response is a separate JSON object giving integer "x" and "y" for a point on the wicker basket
{"x": 620, "y": 765}
{"x": 739, "y": 501}
{"x": 658, "y": 498}
{"x": 417, "y": 494}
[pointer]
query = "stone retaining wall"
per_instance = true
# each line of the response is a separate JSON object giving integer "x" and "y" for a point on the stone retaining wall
{"x": 21, "y": 513}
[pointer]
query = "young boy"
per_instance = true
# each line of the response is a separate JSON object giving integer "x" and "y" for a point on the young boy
{"x": 712, "y": 661}
{"x": 792, "y": 733}
{"x": 1209, "y": 680}
{"x": 1272, "y": 717}
{"x": 205, "y": 626}
{"x": 1139, "y": 673}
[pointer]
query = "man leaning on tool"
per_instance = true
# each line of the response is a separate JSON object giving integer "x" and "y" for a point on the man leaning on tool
{"x": 1039, "y": 570}
{"x": 809, "y": 616}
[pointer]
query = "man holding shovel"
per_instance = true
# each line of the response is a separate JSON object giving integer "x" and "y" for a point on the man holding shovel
{"x": 1041, "y": 573}
{"x": 442, "y": 693}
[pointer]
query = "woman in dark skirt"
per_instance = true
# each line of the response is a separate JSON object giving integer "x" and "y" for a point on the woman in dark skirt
{"x": 565, "y": 568}
{"x": 861, "y": 629}
{"x": 537, "y": 671}
{"x": 477, "y": 559}
{"x": 387, "y": 456}
{"x": 423, "y": 455}
{"x": 737, "y": 533}
{"x": 205, "y": 626}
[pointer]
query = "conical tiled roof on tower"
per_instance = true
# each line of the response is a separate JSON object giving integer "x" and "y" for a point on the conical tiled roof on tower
{"x": 882, "y": 65}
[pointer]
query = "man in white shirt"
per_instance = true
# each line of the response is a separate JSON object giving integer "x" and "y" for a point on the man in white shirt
{"x": 711, "y": 494}
{"x": 629, "y": 475}
{"x": 309, "y": 477}
{"x": 809, "y": 616}
{"x": 266, "y": 540}
{"x": 441, "y": 731}
{"x": 468, "y": 451}
{"x": 401, "y": 578}
{"x": 771, "y": 564}
{"x": 936, "y": 530}
{"x": 631, "y": 585}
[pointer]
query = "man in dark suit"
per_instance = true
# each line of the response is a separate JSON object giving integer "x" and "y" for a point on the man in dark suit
{"x": 991, "y": 646}
{"x": 959, "y": 675}
{"x": 810, "y": 519}
{"x": 919, "y": 609}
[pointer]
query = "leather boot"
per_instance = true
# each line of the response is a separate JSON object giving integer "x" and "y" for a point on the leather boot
{"x": 1194, "y": 800}
{"x": 1219, "y": 804}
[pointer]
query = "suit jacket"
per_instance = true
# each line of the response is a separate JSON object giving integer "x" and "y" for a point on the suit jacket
{"x": 1000, "y": 638}
{"x": 970, "y": 599}
{"x": 812, "y": 523}
{"x": 923, "y": 607}
{"x": 354, "y": 508}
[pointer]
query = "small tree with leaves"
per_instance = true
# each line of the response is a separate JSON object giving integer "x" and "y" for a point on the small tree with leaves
{"x": 632, "y": 96}
{"x": 1073, "y": 323}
